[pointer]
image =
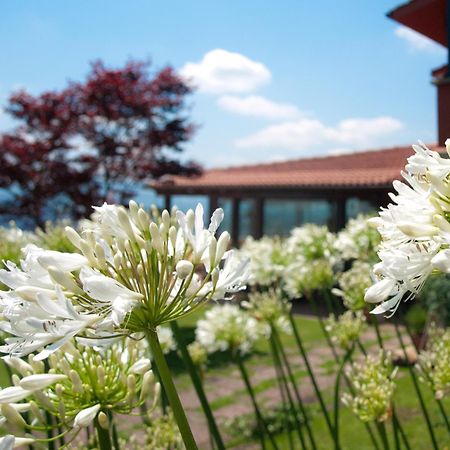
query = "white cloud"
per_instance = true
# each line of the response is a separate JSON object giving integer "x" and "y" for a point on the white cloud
{"x": 258, "y": 106}
{"x": 417, "y": 41}
{"x": 308, "y": 134}
{"x": 221, "y": 72}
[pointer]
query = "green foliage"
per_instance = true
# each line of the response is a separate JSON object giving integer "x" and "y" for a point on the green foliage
{"x": 416, "y": 318}
{"x": 53, "y": 237}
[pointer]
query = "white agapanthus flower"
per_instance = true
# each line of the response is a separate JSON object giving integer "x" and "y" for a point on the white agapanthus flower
{"x": 79, "y": 385}
{"x": 415, "y": 231}
{"x": 133, "y": 272}
{"x": 267, "y": 259}
{"x": 311, "y": 242}
{"x": 227, "y": 327}
{"x": 166, "y": 339}
{"x": 358, "y": 240}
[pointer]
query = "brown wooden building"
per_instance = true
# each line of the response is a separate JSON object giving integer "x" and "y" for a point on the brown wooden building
{"x": 272, "y": 198}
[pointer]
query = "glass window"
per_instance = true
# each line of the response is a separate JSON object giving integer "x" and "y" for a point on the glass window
{"x": 280, "y": 216}
{"x": 246, "y": 218}
{"x": 227, "y": 205}
{"x": 185, "y": 202}
{"x": 355, "y": 206}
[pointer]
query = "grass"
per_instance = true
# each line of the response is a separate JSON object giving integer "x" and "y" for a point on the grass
{"x": 352, "y": 431}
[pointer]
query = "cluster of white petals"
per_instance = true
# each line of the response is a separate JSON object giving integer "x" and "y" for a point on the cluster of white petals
{"x": 373, "y": 388}
{"x": 268, "y": 259}
{"x": 132, "y": 272}
{"x": 415, "y": 231}
{"x": 228, "y": 327}
{"x": 357, "y": 240}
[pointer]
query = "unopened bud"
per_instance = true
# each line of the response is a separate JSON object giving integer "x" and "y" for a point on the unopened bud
{"x": 165, "y": 216}
{"x": 101, "y": 375}
{"x": 12, "y": 416}
{"x": 64, "y": 279}
{"x": 215, "y": 276}
{"x": 212, "y": 251}
{"x": 125, "y": 222}
{"x": 103, "y": 420}
{"x": 76, "y": 381}
{"x": 156, "y": 238}
{"x": 222, "y": 246}
{"x": 143, "y": 219}
{"x": 73, "y": 236}
{"x": 184, "y": 268}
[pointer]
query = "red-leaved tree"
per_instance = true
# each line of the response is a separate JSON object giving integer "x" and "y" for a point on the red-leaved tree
{"x": 94, "y": 140}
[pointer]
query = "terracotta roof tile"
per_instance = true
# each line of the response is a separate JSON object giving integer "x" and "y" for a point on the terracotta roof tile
{"x": 370, "y": 168}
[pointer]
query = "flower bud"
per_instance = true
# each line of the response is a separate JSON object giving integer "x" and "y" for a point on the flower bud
{"x": 125, "y": 222}
{"x": 12, "y": 416}
{"x": 184, "y": 268}
{"x": 147, "y": 383}
{"x": 40, "y": 381}
{"x": 134, "y": 210}
{"x": 212, "y": 251}
{"x": 215, "y": 277}
{"x": 156, "y": 238}
{"x": 103, "y": 420}
{"x": 76, "y": 381}
{"x": 36, "y": 412}
{"x": 86, "y": 416}
{"x": 64, "y": 279}
{"x": 143, "y": 219}
{"x": 222, "y": 246}
{"x": 141, "y": 366}
{"x": 73, "y": 236}
{"x": 13, "y": 394}
{"x": 165, "y": 216}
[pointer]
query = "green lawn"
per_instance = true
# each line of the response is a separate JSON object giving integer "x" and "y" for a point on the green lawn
{"x": 353, "y": 433}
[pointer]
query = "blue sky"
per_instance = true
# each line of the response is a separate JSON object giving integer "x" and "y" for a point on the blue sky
{"x": 276, "y": 79}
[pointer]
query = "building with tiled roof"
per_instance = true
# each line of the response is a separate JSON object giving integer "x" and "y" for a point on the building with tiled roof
{"x": 272, "y": 198}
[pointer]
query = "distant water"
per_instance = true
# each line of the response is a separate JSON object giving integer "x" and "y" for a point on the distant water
{"x": 145, "y": 196}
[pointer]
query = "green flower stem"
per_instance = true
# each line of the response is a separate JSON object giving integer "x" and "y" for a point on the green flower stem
{"x": 197, "y": 382}
{"x": 311, "y": 374}
{"x": 438, "y": 401}
{"x": 294, "y": 385}
{"x": 382, "y": 430}
{"x": 337, "y": 360}
{"x": 417, "y": 389}
{"x": 286, "y": 408}
{"x": 345, "y": 359}
{"x": 284, "y": 387}
{"x": 400, "y": 429}
{"x": 169, "y": 387}
{"x": 374, "y": 320}
{"x": 396, "y": 431}
{"x": 103, "y": 437}
{"x": 259, "y": 416}
{"x": 164, "y": 400}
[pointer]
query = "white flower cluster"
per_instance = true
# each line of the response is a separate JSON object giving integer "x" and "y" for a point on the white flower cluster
{"x": 358, "y": 240}
{"x": 312, "y": 257}
{"x": 227, "y": 327}
{"x": 131, "y": 274}
{"x": 374, "y": 386}
{"x": 80, "y": 384}
{"x": 415, "y": 230}
{"x": 269, "y": 307}
{"x": 346, "y": 329}
{"x": 435, "y": 363}
{"x": 353, "y": 284}
{"x": 267, "y": 259}
{"x": 166, "y": 339}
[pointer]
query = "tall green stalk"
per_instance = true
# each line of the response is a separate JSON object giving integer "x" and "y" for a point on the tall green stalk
{"x": 337, "y": 399}
{"x": 284, "y": 385}
{"x": 311, "y": 374}
{"x": 384, "y": 438}
{"x": 286, "y": 408}
{"x": 337, "y": 360}
{"x": 274, "y": 332}
{"x": 103, "y": 437}
{"x": 198, "y": 385}
{"x": 259, "y": 416}
{"x": 438, "y": 401}
{"x": 171, "y": 392}
{"x": 417, "y": 389}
